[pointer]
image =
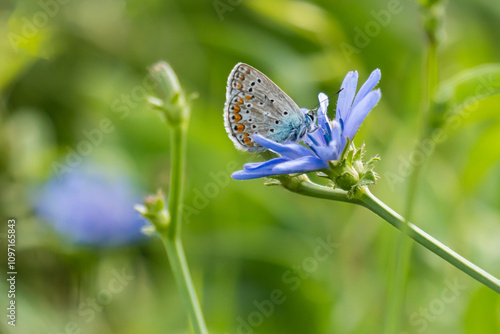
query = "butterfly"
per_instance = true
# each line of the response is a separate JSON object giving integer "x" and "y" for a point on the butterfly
{"x": 256, "y": 105}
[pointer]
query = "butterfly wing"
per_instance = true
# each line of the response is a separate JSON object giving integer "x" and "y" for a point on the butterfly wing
{"x": 254, "y": 104}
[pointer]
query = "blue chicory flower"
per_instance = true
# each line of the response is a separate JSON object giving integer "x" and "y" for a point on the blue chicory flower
{"x": 327, "y": 142}
{"x": 91, "y": 207}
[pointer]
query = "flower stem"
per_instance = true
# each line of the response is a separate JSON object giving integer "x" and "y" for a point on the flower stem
{"x": 302, "y": 185}
{"x": 171, "y": 237}
{"x": 178, "y": 139}
{"x": 364, "y": 197}
{"x": 174, "y": 105}
{"x": 178, "y": 263}
{"x": 375, "y": 205}
{"x": 404, "y": 247}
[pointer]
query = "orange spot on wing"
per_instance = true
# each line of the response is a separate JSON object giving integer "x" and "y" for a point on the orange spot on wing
{"x": 239, "y": 86}
{"x": 240, "y": 101}
{"x": 237, "y": 118}
{"x": 248, "y": 97}
{"x": 248, "y": 140}
{"x": 236, "y": 109}
{"x": 240, "y": 128}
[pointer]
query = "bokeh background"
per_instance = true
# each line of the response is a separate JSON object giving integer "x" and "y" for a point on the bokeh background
{"x": 79, "y": 145}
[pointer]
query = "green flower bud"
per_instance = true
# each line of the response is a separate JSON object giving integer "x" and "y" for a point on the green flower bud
{"x": 171, "y": 99}
{"x": 154, "y": 210}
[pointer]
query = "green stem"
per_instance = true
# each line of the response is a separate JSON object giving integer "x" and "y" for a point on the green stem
{"x": 386, "y": 213}
{"x": 404, "y": 247}
{"x": 172, "y": 236}
{"x": 178, "y": 139}
{"x": 364, "y": 197}
{"x": 175, "y": 107}
{"x": 179, "y": 266}
{"x": 302, "y": 185}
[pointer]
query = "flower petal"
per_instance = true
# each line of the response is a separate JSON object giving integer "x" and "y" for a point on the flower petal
{"x": 247, "y": 175}
{"x": 289, "y": 150}
{"x": 315, "y": 138}
{"x": 259, "y": 165}
{"x": 323, "y": 109}
{"x": 359, "y": 113}
{"x": 338, "y": 139}
{"x": 371, "y": 82}
{"x": 346, "y": 95}
{"x": 330, "y": 152}
{"x": 300, "y": 165}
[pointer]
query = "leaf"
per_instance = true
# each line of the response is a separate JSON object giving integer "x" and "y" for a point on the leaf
{"x": 463, "y": 90}
{"x": 484, "y": 154}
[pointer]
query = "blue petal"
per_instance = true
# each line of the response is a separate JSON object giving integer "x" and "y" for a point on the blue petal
{"x": 338, "y": 139}
{"x": 259, "y": 165}
{"x": 330, "y": 152}
{"x": 258, "y": 169}
{"x": 323, "y": 110}
{"x": 289, "y": 150}
{"x": 247, "y": 175}
{"x": 300, "y": 165}
{"x": 310, "y": 140}
{"x": 315, "y": 138}
{"x": 327, "y": 134}
{"x": 371, "y": 82}
{"x": 360, "y": 112}
{"x": 346, "y": 95}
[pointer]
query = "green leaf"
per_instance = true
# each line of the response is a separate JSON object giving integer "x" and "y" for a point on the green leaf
{"x": 484, "y": 154}
{"x": 463, "y": 90}
{"x": 370, "y": 163}
{"x": 370, "y": 177}
{"x": 359, "y": 153}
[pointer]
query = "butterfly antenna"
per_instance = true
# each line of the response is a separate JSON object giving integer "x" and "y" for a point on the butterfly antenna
{"x": 317, "y": 106}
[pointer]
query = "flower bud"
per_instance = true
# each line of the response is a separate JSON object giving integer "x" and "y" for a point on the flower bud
{"x": 154, "y": 210}
{"x": 171, "y": 98}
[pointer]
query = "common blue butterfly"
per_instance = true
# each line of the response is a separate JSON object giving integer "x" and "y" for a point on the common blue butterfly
{"x": 256, "y": 105}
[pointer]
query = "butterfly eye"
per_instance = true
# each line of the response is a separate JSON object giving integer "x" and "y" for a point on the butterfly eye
{"x": 311, "y": 116}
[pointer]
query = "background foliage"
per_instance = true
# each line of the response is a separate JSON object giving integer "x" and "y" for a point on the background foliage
{"x": 87, "y": 62}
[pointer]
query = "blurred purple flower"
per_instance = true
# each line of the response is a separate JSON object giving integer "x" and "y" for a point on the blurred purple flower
{"x": 91, "y": 207}
{"x": 327, "y": 142}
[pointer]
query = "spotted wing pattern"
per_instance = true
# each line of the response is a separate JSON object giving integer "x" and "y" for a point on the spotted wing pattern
{"x": 254, "y": 104}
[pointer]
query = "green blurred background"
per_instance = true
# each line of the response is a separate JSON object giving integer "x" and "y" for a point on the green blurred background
{"x": 84, "y": 61}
